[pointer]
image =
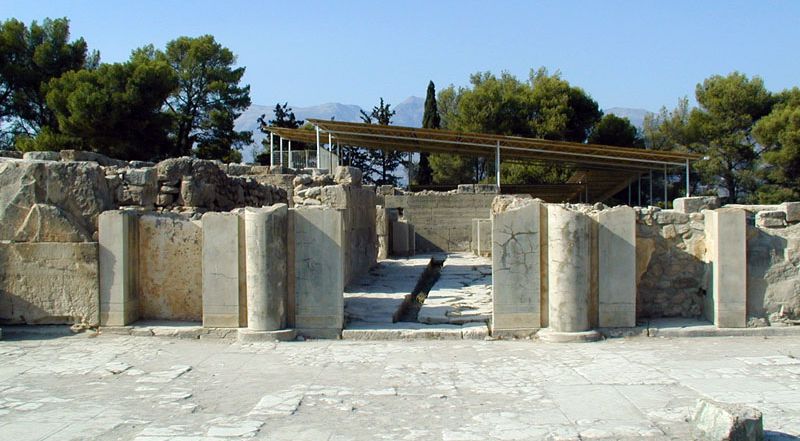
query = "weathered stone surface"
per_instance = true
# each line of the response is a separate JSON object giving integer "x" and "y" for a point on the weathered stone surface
{"x": 48, "y": 283}
{"x": 348, "y": 175}
{"x": 715, "y": 421}
{"x": 792, "y": 210}
{"x": 47, "y": 223}
{"x": 771, "y": 219}
{"x": 568, "y": 265}
{"x": 773, "y": 271}
{"x": 670, "y": 217}
{"x": 78, "y": 191}
{"x": 170, "y": 262}
{"x": 267, "y": 254}
{"x": 400, "y": 239}
{"x": 516, "y": 268}
{"x": 319, "y": 271}
{"x": 41, "y": 156}
{"x": 15, "y": 154}
{"x": 118, "y": 265}
{"x": 695, "y": 204}
{"x": 79, "y": 155}
{"x": 616, "y": 259}
{"x": 223, "y": 271}
{"x": 726, "y": 306}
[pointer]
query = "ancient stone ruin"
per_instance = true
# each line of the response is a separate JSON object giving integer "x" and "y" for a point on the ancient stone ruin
{"x": 270, "y": 252}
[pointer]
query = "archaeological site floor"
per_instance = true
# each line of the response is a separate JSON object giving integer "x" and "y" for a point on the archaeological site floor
{"x": 112, "y": 387}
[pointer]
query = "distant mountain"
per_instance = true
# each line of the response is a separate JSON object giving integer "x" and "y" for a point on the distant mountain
{"x": 408, "y": 113}
{"x": 636, "y": 116}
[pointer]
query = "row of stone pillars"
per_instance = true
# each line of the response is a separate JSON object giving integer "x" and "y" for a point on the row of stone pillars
{"x": 565, "y": 272}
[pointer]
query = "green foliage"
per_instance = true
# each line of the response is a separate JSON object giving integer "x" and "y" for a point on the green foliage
{"x": 208, "y": 98}
{"x": 380, "y": 164}
{"x": 113, "y": 110}
{"x": 545, "y": 107}
{"x": 284, "y": 117}
{"x": 616, "y": 131}
{"x": 779, "y": 133}
{"x": 430, "y": 120}
{"x": 29, "y": 58}
{"x": 722, "y": 131}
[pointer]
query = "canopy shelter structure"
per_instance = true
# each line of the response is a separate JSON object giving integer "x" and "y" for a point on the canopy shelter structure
{"x": 600, "y": 170}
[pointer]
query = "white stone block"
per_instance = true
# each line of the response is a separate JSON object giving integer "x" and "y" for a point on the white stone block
{"x": 726, "y": 243}
{"x": 223, "y": 271}
{"x": 617, "y": 267}
{"x": 569, "y": 268}
{"x": 266, "y": 265}
{"x": 118, "y": 265}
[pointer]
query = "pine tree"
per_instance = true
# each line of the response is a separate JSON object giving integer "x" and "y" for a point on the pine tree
{"x": 381, "y": 163}
{"x": 430, "y": 120}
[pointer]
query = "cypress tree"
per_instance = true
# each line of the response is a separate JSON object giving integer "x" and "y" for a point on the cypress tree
{"x": 430, "y": 120}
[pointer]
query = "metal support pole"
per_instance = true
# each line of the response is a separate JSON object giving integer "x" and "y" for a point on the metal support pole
{"x": 666, "y": 204}
{"x": 650, "y": 200}
{"x": 306, "y": 151}
{"x": 271, "y": 151}
{"x": 330, "y": 147}
{"x": 629, "y": 193}
{"x": 639, "y": 189}
{"x": 338, "y": 153}
{"x": 497, "y": 166}
{"x": 410, "y": 163}
{"x": 688, "y": 192}
{"x": 318, "y": 165}
{"x": 290, "y": 154}
{"x": 281, "y": 151}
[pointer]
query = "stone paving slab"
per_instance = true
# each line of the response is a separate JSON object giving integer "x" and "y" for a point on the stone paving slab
{"x": 415, "y": 331}
{"x": 377, "y": 296}
{"x": 463, "y": 293}
{"x": 113, "y": 387}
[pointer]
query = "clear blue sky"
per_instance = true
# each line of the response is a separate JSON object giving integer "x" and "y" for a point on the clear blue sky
{"x": 624, "y": 53}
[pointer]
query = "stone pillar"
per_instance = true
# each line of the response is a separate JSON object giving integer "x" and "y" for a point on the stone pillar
{"x": 266, "y": 267}
{"x": 382, "y": 230}
{"x": 569, "y": 271}
{"x": 726, "y": 242}
{"x": 400, "y": 238}
{"x": 516, "y": 310}
{"x": 118, "y": 264}
{"x": 617, "y": 267}
{"x": 223, "y": 271}
{"x": 319, "y": 271}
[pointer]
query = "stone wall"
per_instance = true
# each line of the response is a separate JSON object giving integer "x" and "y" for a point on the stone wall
{"x": 48, "y": 283}
{"x": 170, "y": 259}
{"x": 443, "y": 221}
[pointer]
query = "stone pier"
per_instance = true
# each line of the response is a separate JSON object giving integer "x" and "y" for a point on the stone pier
{"x": 319, "y": 271}
{"x": 616, "y": 259}
{"x": 726, "y": 242}
{"x": 223, "y": 271}
{"x": 118, "y": 264}
{"x": 516, "y": 268}
{"x": 266, "y": 266}
{"x": 569, "y": 270}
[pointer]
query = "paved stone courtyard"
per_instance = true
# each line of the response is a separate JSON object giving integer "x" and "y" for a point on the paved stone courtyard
{"x": 154, "y": 389}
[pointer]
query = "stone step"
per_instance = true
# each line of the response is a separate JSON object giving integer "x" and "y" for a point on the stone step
{"x": 414, "y": 331}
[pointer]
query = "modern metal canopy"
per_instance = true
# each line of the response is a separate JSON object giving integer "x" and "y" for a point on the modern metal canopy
{"x": 591, "y": 160}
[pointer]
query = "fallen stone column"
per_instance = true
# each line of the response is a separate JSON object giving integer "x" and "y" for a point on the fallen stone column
{"x": 617, "y": 267}
{"x": 569, "y": 270}
{"x": 266, "y": 269}
{"x": 118, "y": 264}
{"x": 726, "y": 242}
{"x": 516, "y": 271}
{"x": 223, "y": 271}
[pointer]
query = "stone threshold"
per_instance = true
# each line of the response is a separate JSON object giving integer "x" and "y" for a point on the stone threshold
{"x": 689, "y": 328}
{"x": 414, "y": 331}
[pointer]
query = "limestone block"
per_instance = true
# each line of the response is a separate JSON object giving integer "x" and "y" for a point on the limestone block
{"x": 792, "y": 210}
{"x": 412, "y": 240}
{"x": 516, "y": 269}
{"x": 223, "y": 275}
{"x": 80, "y": 155}
{"x": 48, "y": 223}
{"x": 466, "y": 188}
{"x": 266, "y": 259}
{"x": 568, "y": 264}
{"x": 170, "y": 267}
{"x": 771, "y": 219}
{"x": 724, "y": 421}
{"x": 670, "y": 217}
{"x": 695, "y": 204}
{"x": 726, "y": 243}
{"x": 49, "y": 283}
{"x": 617, "y": 267}
{"x": 118, "y": 263}
{"x": 383, "y": 247}
{"x": 348, "y": 175}
{"x": 400, "y": 238}
{"x": 79, "y": 190}
{"x": 486, "y": 188}
{"x": 318, "y": 270}
{"x": 41, "y": 156}
{"x": 335, "y": 196}
{"x": 381, "y": 221}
